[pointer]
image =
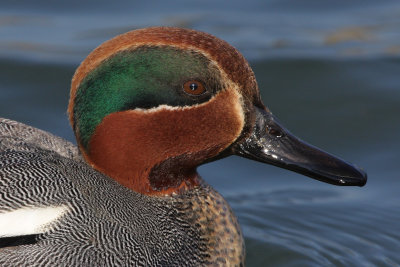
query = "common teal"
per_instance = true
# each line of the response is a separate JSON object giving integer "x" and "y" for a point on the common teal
{"x": 147, "y": 108}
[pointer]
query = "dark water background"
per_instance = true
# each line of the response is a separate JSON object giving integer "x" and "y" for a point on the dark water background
{"x": 330, "y": 70}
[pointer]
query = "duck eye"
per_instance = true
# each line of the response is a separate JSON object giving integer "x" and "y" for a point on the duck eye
{"x": 194, "y": 88}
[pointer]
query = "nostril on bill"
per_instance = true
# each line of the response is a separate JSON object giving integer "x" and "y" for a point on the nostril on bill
{"x": 275, "y": 132}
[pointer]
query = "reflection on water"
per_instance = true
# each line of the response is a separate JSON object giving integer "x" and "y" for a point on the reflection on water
{"x": 329, "y": 73}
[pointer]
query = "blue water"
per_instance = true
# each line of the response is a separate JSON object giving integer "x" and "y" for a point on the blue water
{"x": 329, "y": 70}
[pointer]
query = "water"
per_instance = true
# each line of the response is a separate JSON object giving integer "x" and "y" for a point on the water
{"x": 328, "y": 70}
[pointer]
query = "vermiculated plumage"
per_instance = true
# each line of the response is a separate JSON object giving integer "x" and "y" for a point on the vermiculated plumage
{"x": 128, "y": 229}
{"x": 130, "y": 193}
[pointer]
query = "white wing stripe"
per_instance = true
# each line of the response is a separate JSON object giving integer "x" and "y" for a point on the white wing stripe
{"x": 27, "y": 221}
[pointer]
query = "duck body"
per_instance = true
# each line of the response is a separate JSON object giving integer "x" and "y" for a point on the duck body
{"x": 129, "y": 229}
{"x": 147, "y": 108}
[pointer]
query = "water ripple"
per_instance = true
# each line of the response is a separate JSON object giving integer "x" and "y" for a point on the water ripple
{"x": 309, "y": 228}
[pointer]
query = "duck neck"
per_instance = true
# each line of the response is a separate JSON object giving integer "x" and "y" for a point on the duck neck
{"x": 161, "y": 162}
{"x": 216, "y": 224}
{"x": 157, "y": 151}
{"x": 171, "y": 176}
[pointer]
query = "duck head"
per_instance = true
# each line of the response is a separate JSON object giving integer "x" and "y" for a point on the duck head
{"x": 149, "y": 106}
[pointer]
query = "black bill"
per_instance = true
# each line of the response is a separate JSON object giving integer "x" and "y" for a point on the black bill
{"x": 271, "y": 143}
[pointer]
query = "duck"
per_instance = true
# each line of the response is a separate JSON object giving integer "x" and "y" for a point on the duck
{"x": 147, "y": 108}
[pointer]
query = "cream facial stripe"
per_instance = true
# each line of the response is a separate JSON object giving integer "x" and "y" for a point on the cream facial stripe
{"x": 237, "y": 105}
{"x": 28, "y": 221}
{"x": 142, "y": 78}
{"x": 95, "y": 62}
{"x": 238, "y": 101}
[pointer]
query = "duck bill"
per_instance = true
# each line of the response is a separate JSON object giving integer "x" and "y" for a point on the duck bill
{"x": 271, "y": 143}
